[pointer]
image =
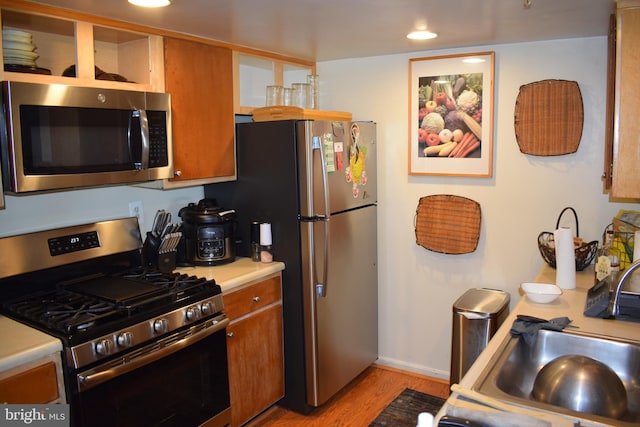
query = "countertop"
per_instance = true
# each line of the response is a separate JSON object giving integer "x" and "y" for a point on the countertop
{"x": 570, "y": 304}
{"x": 234, "y": 274}
{"x": 22, "y": 344}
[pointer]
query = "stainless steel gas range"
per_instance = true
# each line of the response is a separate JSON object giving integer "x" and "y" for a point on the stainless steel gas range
{"x": 141, "y": 347}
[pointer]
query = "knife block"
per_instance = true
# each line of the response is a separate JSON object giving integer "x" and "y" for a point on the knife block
{"x": 150, "y": 250}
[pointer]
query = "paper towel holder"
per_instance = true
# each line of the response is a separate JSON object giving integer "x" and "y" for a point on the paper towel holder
{"x": 584, "y": 252}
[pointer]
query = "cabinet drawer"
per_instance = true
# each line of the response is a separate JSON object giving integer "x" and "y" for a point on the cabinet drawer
{"x": 245, "y": 300}
{"x": 38, "y": 385}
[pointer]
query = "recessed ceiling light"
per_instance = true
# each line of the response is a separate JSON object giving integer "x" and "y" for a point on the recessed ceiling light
{"x": 150, "y": 3}
{"x": 421, "y": 35}
{"x": 473, "y": 60}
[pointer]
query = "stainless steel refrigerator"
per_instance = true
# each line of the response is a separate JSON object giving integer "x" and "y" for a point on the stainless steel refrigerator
{"x": 315, "y": 182}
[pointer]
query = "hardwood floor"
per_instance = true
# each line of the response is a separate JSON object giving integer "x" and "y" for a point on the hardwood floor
{"x": 359, "y": 403}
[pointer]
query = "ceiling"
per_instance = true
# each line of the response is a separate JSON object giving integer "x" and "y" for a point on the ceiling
{"x": 323, "y": 30}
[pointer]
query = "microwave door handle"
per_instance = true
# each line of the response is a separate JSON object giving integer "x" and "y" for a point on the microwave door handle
{"x": 317, "y": 146}
{"x": 143, "y": 162}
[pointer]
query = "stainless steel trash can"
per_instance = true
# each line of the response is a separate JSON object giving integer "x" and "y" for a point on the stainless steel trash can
{"x": 477, "y": 315}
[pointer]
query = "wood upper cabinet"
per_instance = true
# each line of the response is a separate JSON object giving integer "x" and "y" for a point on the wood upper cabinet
{"x": 255, "y": 348}
{"x": 199, "y": 78}
{"x": 625, "y": 146}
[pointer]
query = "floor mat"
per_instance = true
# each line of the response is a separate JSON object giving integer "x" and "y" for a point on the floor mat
{"x": 404, "y": 409}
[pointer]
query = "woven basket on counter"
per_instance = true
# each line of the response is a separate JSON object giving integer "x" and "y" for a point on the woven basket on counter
{"x": 584, "y": 251}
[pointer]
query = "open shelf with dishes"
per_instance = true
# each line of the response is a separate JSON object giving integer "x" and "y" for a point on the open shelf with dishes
{"x": 45, "y": 48}
{"x": 254, "y": 72}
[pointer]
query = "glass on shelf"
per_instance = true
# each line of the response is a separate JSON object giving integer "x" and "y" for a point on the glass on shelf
{"x": 301, "y": 94}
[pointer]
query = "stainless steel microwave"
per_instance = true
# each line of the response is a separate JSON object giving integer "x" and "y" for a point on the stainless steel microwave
{"x": 56, "y": 136}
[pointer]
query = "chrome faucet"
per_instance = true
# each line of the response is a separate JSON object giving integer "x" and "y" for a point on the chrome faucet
{"x": 614, "y": 304}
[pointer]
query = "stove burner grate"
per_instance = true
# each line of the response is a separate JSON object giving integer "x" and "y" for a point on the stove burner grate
{"x": 102, "y": 300}
{"x": 66, "y": 311}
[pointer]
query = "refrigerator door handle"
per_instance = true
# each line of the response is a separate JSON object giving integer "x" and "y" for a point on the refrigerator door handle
{"x": 321, "y": 285}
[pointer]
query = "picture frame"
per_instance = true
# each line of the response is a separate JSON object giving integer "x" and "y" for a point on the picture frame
{"x": 451, "y": 115}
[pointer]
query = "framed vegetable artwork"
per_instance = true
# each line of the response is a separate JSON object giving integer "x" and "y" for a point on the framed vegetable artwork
{"x": 451, "y": 115}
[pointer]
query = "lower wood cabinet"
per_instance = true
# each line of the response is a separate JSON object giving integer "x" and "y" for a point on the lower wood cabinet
{"x": 255, "y": 347}
{"x": 37, "y": 382}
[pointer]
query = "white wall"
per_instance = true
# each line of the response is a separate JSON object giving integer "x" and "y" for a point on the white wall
{"x": 24, "y": 214}
{"x": 417, "y": 288}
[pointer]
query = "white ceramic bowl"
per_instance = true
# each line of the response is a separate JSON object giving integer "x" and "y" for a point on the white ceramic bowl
{"x": 541, "y": 293}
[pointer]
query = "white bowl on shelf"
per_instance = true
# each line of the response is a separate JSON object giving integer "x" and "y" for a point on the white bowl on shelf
{"x": 21, "y": 54}
{"x": 16, "y": 35}
{"x": 541, "y": 293}
{"x": 23, "y": 46}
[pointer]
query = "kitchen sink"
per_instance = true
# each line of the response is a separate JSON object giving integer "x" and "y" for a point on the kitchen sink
{"x": 511, "y": 373}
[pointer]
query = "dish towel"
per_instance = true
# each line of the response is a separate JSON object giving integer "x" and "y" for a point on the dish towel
{"x": 528, "y": 327}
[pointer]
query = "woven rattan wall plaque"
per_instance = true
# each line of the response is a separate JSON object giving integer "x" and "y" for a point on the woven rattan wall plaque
{"x": 549, "y": 117}
{"x": 447, "y": 224}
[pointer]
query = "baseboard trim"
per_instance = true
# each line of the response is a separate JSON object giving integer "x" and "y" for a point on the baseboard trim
{"x": 413, "y": 368}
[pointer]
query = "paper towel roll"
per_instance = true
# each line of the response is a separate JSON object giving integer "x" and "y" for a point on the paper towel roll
{"x": 565, "y": 258}
{"x": 265, "y": 234}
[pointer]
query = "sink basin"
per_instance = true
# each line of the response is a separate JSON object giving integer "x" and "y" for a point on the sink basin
{"x": 511, "y": 374}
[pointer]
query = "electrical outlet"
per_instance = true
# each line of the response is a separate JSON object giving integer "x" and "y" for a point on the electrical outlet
{"x": 135, "y": 209}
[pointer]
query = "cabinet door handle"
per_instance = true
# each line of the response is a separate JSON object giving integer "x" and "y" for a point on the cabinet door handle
{"x": 230, "y": 334}
{"x": 256, "y": 299}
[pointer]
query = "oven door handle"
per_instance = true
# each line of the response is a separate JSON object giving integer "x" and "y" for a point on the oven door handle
{"x": 117, "y": 367}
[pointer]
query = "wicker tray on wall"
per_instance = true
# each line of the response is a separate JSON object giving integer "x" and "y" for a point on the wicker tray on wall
{"x": 448, "y": 224}
{"x": 549, "y": 117}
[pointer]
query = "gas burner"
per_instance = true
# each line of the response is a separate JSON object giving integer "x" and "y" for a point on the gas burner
{"x": 97, "y": 302}
{"x": 65, "y": 311}
{"x": 168, "y": 280}
{"x": 142, "y": 273}
{"x": 175, "y": 286}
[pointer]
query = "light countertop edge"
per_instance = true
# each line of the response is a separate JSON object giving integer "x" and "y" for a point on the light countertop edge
{"x": 571, "y": 304}
{"x": 23, "y": 344}
{"x": 234, "y": 274}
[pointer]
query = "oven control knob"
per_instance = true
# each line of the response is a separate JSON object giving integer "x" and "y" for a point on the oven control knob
{"x": 206, "y": 308}
{"x": 192, "y": 313}
{"x": 125, "y": 339}
{"x": 104, "y": 347}
{"x": 160, "y": 326}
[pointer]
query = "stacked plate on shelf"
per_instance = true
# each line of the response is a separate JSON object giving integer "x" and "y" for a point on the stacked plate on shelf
{"x": 18, "y": 48}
